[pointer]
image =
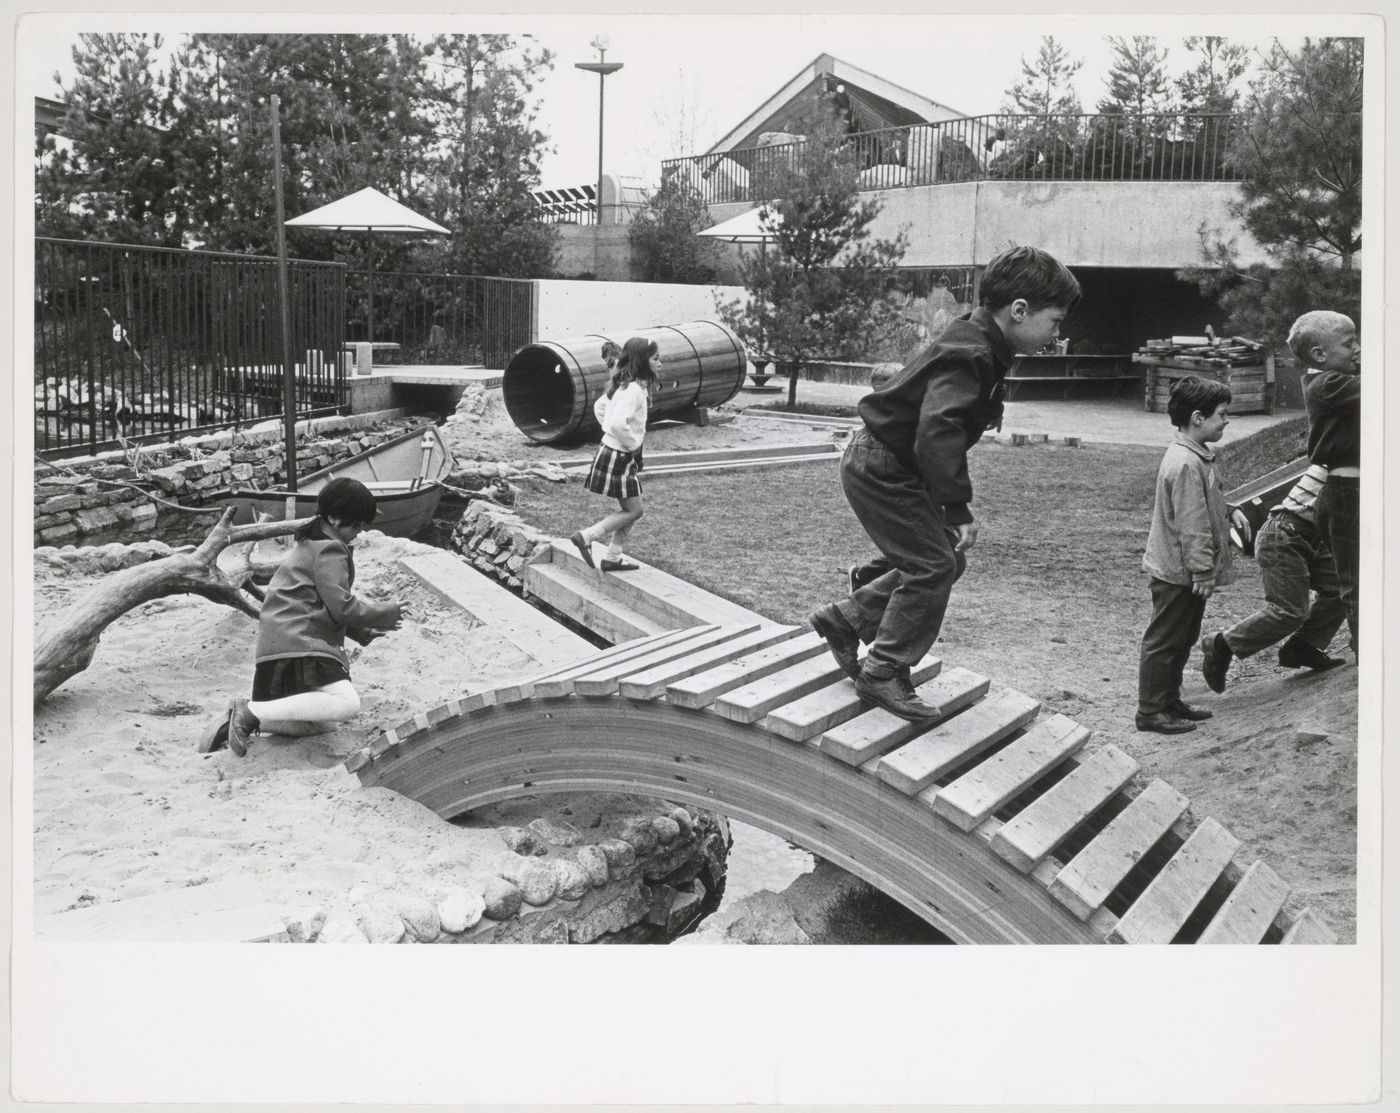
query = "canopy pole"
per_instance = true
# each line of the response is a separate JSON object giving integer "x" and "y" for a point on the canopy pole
{"x": 369, "y": 265}
{"x": 289, "y": 392}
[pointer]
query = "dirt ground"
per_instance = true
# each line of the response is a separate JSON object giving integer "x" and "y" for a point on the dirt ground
{"x": 1053, "y": 604}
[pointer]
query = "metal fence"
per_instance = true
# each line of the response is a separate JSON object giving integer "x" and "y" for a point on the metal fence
{"x": 142, "y": 343}
{"x": 443, "y": 318}
{"x": 1082, "y": 147}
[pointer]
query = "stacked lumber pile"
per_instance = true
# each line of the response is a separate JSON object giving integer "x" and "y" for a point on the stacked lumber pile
{"x": 1245, "y": 366}
{"x": 1206, "y": 351}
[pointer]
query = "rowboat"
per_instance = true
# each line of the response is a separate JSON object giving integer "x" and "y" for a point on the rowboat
{"x": 404, "y": 474}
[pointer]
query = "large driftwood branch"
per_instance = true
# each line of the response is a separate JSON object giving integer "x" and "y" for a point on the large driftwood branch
{"x": 67, "y": 646}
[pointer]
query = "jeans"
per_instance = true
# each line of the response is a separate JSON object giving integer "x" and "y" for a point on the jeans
{"x": 1292, "y": 559}
{"x": 900, "y": 613}
{"x": 1176, "y": 624}
{"x": 1338, "y": 513}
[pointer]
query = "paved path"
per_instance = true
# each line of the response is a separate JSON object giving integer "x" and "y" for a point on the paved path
{"x": 1103, "y": 421}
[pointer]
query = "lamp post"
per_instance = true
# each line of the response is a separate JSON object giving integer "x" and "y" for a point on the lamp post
{"x": 602, "y": 69}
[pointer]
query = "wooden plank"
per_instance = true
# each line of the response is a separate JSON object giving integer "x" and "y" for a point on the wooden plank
{"x": 979, "y": 792}
{"x": 528, "y": 628}
{"x": 750, "y": 702}
{"x": 232, "y": 910}
{"x": 1028, "y": 837}
{"x": 656, "y": 595}
{"x": 587, "y": 605}
{"x": 1167, "y": 903}
{"x": 916, "y": 764}
{"x": 703, "y": 688}
{"x": 652, "y": 682}
{"x": 561, "y": 682}
{"x": 1249, "y": 909}
{"x": 807, "y": 717}
{"x": 1308, "y": 928}
{"x": 525, "y": 687}
{"x": 864, "y": 738}
{"x": 1086, "y": 881}
{"x": 604, "y": 681}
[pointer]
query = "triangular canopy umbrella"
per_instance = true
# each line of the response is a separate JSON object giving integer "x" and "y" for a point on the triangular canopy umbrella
{"x": 744, "y": 228}
{"x": 368, "y": 211}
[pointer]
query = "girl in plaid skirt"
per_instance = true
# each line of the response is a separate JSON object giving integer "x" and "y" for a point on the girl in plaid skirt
{"x": 622, "y": 413}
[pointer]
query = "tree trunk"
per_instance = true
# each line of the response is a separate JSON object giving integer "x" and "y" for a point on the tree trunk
{"x": 67, "y": 646}
{"x": 792, "y": 384}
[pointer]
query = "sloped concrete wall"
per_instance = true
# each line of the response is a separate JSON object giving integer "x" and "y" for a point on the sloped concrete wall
{"x": 1086, "y": 224}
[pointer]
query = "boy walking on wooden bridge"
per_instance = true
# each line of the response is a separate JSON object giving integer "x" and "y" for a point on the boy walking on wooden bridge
{"x": 905, "y": 474}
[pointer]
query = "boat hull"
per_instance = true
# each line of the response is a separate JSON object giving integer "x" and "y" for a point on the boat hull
{"x": 404, "y": 473}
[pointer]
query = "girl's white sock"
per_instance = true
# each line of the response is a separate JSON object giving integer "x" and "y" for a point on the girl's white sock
{"x": 615, "y": 546}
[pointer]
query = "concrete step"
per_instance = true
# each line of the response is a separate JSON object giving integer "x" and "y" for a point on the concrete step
{"x": 581, "y": 598}
{"x": 529, "y": 629}
{"x": 666, "y": 600}
{"x": 580, "y": 465}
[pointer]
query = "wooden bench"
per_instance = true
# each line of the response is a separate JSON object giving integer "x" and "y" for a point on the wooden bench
{"x": 1069, "y": 370}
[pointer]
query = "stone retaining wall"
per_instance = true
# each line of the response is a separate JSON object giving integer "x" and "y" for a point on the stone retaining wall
{"x": 496, "y": 541}
{"x": 83, "y": 495}
{"x": 643, "y": 877}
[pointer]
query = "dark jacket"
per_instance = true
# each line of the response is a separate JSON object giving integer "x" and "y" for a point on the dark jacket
{"x": 1333, "y": 399}
{"x": 937, "y": 407}
{"x": 309, "y": 604}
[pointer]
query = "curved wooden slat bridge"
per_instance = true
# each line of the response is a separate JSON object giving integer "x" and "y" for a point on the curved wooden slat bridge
{"x": 993, "y": 824}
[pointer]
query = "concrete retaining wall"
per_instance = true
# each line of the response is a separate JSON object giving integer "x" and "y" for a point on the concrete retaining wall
{"x": 566, "y": 309}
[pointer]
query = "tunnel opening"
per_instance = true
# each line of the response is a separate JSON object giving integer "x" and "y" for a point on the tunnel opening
{"x": 541, "y": 394}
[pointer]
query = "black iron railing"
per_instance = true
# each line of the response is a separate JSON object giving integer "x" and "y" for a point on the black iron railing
{"x": 443, "y": 318}
{"x": 1082, "y": 147}
{"x": 144, "y": 343}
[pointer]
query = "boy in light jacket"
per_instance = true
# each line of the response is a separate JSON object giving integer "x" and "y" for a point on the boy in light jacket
{"x": 1188, "y": 553}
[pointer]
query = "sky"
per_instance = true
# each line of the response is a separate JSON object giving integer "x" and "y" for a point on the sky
{"x": 688, "y": 79}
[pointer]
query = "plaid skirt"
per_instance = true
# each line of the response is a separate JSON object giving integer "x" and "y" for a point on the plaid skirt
{"x": 614, "y": 473}
{"x": 290, "y": 676}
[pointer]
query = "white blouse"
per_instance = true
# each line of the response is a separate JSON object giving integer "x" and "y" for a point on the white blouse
{"x": 623, "y": 417}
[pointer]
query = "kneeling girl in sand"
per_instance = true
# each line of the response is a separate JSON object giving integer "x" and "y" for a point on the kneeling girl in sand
{"x": 301, "y": 682}
{"x": 622, "y": 413}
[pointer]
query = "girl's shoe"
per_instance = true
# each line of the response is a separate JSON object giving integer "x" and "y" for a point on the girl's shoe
{"x": 585, "y": 550}
{"x": 215, "y": 736}
{"x": 618, "y": 565}
{"x": 242, "y": 724}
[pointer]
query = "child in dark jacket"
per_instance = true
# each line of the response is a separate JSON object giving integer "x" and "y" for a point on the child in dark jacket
{"x": 905, "y": 474}
{"x": 301, "y": 679}
{"x": 1326, "y": 343}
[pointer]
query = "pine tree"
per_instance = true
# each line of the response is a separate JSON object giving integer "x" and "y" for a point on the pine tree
{"x": 663, "y": 235}
{"x": 1298, "y": 151}
{"x": 489, "y": 159}
{"x": 1209, "y": 86}
{"x": 1046, "y": 86}
{"x": 1137, "y": 81}
{"x": 1045, "y": 91}
{"x": 116, "y": 178}
{"x": 819, "y": 287}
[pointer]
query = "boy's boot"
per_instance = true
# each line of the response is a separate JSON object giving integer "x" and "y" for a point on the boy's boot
{"x": 1183, "y": 710}
{"x": 897, "y": 696}
{"x": 1295, "y": 653}
{"x": 1215, "y": 660}
{"x": 1163, "y": 722}
{"x": 840, "y": 638}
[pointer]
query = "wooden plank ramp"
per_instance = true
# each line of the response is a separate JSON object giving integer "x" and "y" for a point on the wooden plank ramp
{"x": 529, "y": 629}
{"x": 996, "y": 822}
